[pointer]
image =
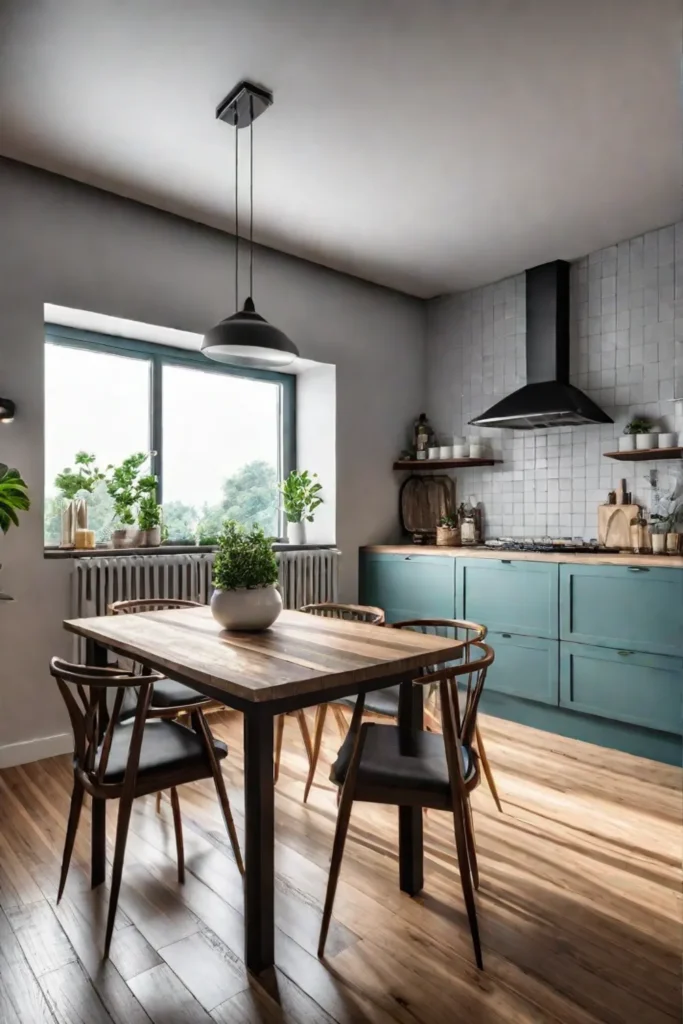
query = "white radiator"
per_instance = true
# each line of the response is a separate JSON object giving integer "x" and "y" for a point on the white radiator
{"x": 306, "y": 576}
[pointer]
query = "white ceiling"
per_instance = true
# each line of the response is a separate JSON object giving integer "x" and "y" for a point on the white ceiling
{"x": 429, "y": 145}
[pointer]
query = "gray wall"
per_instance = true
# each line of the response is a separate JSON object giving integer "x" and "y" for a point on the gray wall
{"x": 75, "y": 246}
{"x": 627, "y": 354}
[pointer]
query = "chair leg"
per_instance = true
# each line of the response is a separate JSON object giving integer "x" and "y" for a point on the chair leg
{"x": 340, "y": 720}
{"x": 320, "y": 715}
{"x": 279, "y": 732}
{"x": 487, "y": 769}
{"x": 178, "y": 826}
{"x": 158, "y": 804}
{"x": 471, "y": 843}
{"x": 71, "y": 829}
{"x": 466, "y": 878}
{"x": 305, "y": 734}
{"x": 227, "y": 816}
{"x": 125, "y": 808}
{"x": 98, "y": 847}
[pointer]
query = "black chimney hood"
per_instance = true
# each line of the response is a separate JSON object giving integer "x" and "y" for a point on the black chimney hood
{"x": 548, "y": 399}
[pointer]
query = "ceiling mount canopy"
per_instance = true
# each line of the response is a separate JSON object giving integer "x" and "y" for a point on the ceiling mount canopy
{"x": 246, "y": 338}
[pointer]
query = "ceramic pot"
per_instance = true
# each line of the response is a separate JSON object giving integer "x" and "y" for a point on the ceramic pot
{"x": 446, "y": 451}
{"x": 461, "y": 451}
{"x": 672, "y": 543}
{"x": 433, "y": 453}
{"x": 150, "y": 538}
{"x": 644, "y": 441}
{"x": 627, "y": 442}
{"x": 296, "y": 533}
{"x": 248, "y": 609}
{"x": 668, "y": 440}
{"x": 658, "y": 543}
{"x": 478, "y": 450}
{"x": 126, "y": 537}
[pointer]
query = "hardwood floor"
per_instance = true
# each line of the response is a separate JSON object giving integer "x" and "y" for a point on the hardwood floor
{"x": 579, "y": 907}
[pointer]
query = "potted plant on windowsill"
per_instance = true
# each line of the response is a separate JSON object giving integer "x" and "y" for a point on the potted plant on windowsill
{"x": 149, "y": 520}
{"x": 638, "y": 434}
{"x": 13, "y": 499}
{"x": 245, "y": 572}
{"x": 127, "y": 489}
{"x": 77, "y": 486}
{"x": 300, "y": 498}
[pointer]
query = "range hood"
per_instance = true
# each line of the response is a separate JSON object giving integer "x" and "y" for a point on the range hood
{"x": 547, "y": 399}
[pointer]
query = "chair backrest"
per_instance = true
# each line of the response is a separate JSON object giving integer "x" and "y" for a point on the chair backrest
{"x": 350, "y": 612}
{"x": 459, "y": 720}
{"x": 150, "y": 604}
{"x": 84, "y": 689}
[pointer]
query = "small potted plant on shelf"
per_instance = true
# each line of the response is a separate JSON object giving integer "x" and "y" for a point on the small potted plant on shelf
{"x": 245, "y": 574}
{"x": 448, "y": 531}
{"x": 127, "y": 489}
{"x": 300, "y": 499}
{"x": 638, "y": 434}
{"x": 13, "y": 499}
{"x": 149, "y": 519}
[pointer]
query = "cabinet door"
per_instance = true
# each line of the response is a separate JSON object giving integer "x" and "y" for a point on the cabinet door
{"x": 409, "y": 586}
{"x": 625, "y": 685}
{"x": 509, "y": 595}
{"x": 627, "y": 607}
{"x": 524, "y": 666}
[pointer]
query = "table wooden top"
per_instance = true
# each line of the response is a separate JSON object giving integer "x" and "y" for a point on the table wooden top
{"x": 300, "y": 654}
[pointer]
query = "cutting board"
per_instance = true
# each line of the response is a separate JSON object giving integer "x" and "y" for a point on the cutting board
{"x": 614, "y": 525}
{"x": 423, "y": 500}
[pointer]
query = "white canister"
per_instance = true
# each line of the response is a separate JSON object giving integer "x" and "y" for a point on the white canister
{"x": 646, "y": 441}
{"x": 433, "y": 453}
{"x": 457, "y": 440}
{"x": 461, "y": 451}
{"x": 478, "y": 450}
{"x": 658, "y": 543}
{"x": 446, "y": 451}
{"x": 627, "y": 442}
{"x": 667, "y": 440}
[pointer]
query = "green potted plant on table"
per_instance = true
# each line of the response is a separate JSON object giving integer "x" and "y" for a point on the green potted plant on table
{"x": 129, "y": 491}
{"x": 300, "y": 498}
{"x": 13, "y": 499}
{"x": 245, "y": 572}
{"x": 638, "y": 433}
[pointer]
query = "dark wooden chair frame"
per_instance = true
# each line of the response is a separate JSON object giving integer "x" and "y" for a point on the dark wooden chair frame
{"x": 459, "y": 727}
{"x": 93, "y": 727}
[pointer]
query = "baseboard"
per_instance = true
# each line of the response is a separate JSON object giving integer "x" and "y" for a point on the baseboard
{"x": 34, "y": 750}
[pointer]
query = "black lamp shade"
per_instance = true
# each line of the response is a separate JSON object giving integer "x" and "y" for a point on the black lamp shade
{"x": 6, "y": 410}
{"x": 246, "y": 339}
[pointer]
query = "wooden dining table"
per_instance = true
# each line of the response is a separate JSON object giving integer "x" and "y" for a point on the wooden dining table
{"x": 302, "y": 660}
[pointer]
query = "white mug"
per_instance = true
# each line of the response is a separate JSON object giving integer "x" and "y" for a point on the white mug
{"x": 446, "y": 451}
{"x": 461, "y": 451}
{"x": 433, "y": 453}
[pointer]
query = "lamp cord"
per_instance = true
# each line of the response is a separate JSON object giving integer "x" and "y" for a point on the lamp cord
{"x": 237, "y": 219}
{"x": 251, "y": 197}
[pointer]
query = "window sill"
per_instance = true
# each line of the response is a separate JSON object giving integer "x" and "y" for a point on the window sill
{"x": 165, "y": 549}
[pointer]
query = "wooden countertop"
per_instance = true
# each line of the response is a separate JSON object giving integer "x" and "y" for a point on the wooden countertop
{"x": 589, "y": 558}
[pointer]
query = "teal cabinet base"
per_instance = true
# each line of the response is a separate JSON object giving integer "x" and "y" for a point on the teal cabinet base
{"x": 658, "y": 746}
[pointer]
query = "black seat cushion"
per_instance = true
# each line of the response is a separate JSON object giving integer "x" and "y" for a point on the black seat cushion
{"x": 168, "y": 693}
{"x": 378, "y": 702}
{"x": 382, "y": 763}
{"x": 166, "y": 746}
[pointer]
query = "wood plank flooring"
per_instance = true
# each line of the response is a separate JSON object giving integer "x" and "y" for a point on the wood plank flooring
{"x": 580, "y": 903}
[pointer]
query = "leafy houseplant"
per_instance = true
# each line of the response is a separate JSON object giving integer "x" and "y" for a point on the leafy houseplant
{"x": 300, "y": 500}
{"x": 85, "y": 477}
{"x": 245, "y": 572}
{"x": 448, "y": 531}
{"x": 149, "y": 519}
{"x": 128, "y": 490}
{"x": 638, "y": 433}
{"x": 13, "y": 499}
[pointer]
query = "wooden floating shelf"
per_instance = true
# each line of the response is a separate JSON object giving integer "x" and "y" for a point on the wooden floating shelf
{"x": 443, "y": 463}
{"x": 646, "y": 454}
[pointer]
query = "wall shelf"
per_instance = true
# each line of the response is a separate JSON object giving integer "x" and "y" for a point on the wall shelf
{"x": 646, "y": 454}
{"x": 429, "y": 464}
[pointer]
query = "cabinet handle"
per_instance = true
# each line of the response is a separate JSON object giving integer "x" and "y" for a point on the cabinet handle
{"x": 508, "y": 636}
{"x": 637, "y": 568}
{"x": 407, "y": 558}
{"x": 625, "y": 654}
{"x": 506, "y": 561}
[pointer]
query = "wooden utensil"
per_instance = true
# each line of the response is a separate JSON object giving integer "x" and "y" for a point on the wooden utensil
{"x": 614, "y": 525}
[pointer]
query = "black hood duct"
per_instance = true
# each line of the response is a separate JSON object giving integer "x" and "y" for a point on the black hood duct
{"x": 548, "y": 399}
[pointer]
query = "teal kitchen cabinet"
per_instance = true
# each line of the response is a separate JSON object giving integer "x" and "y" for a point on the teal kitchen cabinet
{"x": 509, "y": 595}
{"x": 632, "y": 608}
{"x": 524, "y": 666}
{"x": 623, "y": 685}
{"x": 409, "y": 586}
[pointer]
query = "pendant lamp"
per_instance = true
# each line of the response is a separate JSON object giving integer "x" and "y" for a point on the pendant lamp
{"x": 246, "y": 338}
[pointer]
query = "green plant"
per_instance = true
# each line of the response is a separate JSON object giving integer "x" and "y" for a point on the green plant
{"x": 300, "y": 496}
{"x": 244, "y": 558}
{"x": 127, "y": 488}
{"x": 638, "y": 425}
{"x": 85, "y": 478}
{"x": 450, "y": 520}
{"x": 13, "y": 497}
{"x": 149, "y": 512}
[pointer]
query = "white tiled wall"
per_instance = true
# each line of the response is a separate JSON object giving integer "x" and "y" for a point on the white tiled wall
{"x": 626, "y": 354}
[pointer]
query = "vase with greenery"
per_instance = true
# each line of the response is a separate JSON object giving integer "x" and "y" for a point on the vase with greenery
{"x": 76, "y": 488}
{"x": 638, "y": 433}
{"x": 13, "y": 500}
{"x": 666, "y": 517}
{"x": 448, "y": 531}
{"x": 127, "y": 489}
{"x": 300, "y": 498}
{"x": 245, "y": 573}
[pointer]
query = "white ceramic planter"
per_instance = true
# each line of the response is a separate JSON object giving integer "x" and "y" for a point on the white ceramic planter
{"x": 127, "y": 537}
{"x": 433, "y": 453}
{"x": 658, "y": 543}
{"x": 150, "y": 538}
{"x": 644, "y": 441}
{"x": 627, "y": 442}
{"x": 446, "y": 451}
{"x": 250, "y": 610}
{"x": 461, "y": 451}
{"x": 668, "y": 440}
{"x": 296, "y": 533}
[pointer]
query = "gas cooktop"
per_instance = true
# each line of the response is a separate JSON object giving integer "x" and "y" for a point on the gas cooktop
{"x": 570, "y": 544}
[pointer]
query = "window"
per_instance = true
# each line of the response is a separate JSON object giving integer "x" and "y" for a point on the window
{"x": 223, "y": 438}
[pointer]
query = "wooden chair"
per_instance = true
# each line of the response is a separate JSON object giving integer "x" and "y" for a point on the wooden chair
{"x": 468, "y": 632}
{"x": 438, "y": 771}
{"x": 352, "y": 613}
{"x": 125, "y": 759}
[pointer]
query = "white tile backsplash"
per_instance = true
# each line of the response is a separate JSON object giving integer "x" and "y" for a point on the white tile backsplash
{"x": 626, "y": 354}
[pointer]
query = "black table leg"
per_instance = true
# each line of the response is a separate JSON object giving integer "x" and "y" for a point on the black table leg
{"x": 259, "y": 882}
{"x": 410, "y": 839}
